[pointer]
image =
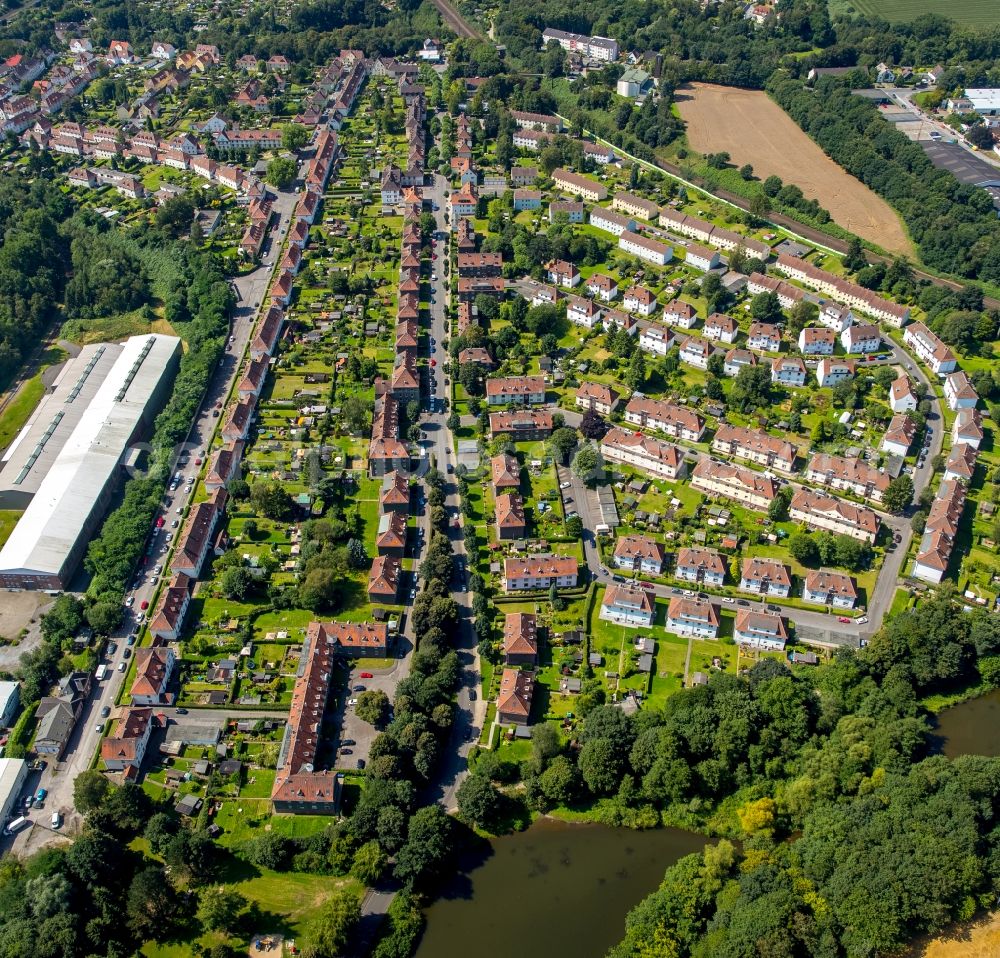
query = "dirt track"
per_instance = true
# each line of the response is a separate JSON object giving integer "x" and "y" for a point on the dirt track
{"x": 752, "y": 128}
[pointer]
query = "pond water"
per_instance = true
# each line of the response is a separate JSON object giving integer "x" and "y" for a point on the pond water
{"x": 555, "y": 889}
{"x": 971, "y": 727}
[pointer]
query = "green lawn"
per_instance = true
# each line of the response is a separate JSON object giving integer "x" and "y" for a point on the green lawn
{"x": 8, "y": 519}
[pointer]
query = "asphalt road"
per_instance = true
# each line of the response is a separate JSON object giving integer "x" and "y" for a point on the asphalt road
{"x": 58, "y": 777}
{"x": 470, "y": 713}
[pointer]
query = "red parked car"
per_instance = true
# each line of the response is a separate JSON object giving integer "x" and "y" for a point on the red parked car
{"x": 367, "y": 675}
{"x": 144, "y": 604}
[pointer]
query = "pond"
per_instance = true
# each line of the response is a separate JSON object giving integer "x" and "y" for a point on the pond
{"x": 971, "y": 727}
{"x": 555, "y": 889}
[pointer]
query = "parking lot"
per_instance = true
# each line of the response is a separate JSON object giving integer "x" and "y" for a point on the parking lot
{"x": 353, "y": 729}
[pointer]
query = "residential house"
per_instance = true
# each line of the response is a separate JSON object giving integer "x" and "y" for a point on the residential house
{"x": 848, "y": 475}
{"x": 509, "y": 511}
{"x": 676, "y": 421}
{"x": 125, "y": 748}
{"x": 577, "y": 185}
{"x": 505, "y": 471}
{"x": 539, "y": 572}
{"x": 656, "y": 339}
{"x": 968, "y": 428}
{"x": 627, "y": 605}
{"x": 902, "y": 396}
{"x": 820, "y": 511}
{"x": 729, "y": 481}
{"x": 639, "y": 554}
{"x": 692, "y": 618}
{"x": 527, "y": 200}
{"x": 524, "y": 425}
{"x": 830, "y": 371}
{"x": 561, "y": 273}
{"x": 760, "y": 630}
{"x": 765, "y": 577}
{"x": 696, "y": 352}
{"x": 635, "y": 206}
{"x": 638, "y": 299}
{"x": 899, "y": 436}
{"x": 679, "y": 313}
{"x": 959, "y": 392}
{"x": 602, "y": 287}
{"x": 521, "y": 390}
{"x": 825, "y": 587}
{"x": 961, "y": 463}
{"x": 789, "y": 371}
{"x": 153, "y": 668}
{"x": 568, "y": 211}
{"x": 861, "y": 338}
{"x": 817, "y": 341}
{"x": 611, "y": 221}
{"x": 721, "y": 328}
{"x": 514, "y": 698}
{"x": 700, "y": 257}
{"x": 650, "y": 250}
{"x": 737, "y": 359}
{"x": 520, "y": 639}
{"x": 930, "y": 349}
{"x": 704, "y": 566}
{"x": 168, "y": 616}
{"x": 645, "y": 453}
{"x": 385, "y": 579}
{"x": 390, "y": 538}
{"x": 582, "y": 311}
{"x": 754, "y": 446}
{"x": 596, "y": 397}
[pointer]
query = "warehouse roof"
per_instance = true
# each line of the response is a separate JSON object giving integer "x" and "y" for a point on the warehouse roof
{"x": 72, "y": 490}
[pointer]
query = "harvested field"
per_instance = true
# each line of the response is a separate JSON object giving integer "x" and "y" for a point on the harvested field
{"x": 753, "y": 129}
{"x": 975, "y": 939}
{"x": 971, "y": 13}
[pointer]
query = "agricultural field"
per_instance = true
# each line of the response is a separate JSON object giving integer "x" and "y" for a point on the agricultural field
{"x": 753, "y": 129}
{"x": 972, "y": 13}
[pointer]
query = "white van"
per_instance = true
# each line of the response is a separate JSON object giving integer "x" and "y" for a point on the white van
{"x": 56, "y": 820}
{"x": 17, "y": 824}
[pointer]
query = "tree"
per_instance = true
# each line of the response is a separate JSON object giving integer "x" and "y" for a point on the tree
{"x": 746, "y": 172}
{"x": 105, "y": 616}
{"x": 221, "y": 908}
{"x": 574, "y": 527}
{"x": 152, "y": 905}
{"x": 236, "y": 583}
{"x": 321, "y": 589}
{"x": 899, "y": 493}
{"x": 803, "y": 548}
{"x": 268, "y": 850}
{"x": 328, "y": 934}
{"x": 428, "y": 846}
{"x": 765, "y": 308}
{"x": 480, "y": 802}
{"x": 560, "y": 782}
{"x": 854, "y": 259}
{"x": 588, "y": 464}
{"x": 270, "y": 499}
{"x": 562, "y": 442}
{"x": 354, "y": 412}
{"x": 357, "y": 556}
{"x": 777, "y": 510}
{"x": 751, "y": 388}
{"x": 63, "y": 620}
{"x": 281, "y": 172}
{"x": 373, "y": 707}
{"x": 980, "y": 136}
{"x": 635, "y": 375}
{"x": 593, "y": 425}
{"x": 90, "y": 789}
{"x": 772, "y": 186}
{"x": 294, "y": 136}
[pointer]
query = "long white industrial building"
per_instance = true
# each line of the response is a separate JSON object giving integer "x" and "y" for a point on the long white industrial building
{"x": 73, "y": 488}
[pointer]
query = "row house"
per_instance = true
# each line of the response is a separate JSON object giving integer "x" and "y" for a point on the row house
{"x": 582, "y": 312}
{"x": 968, "y": 428}
{"x": 700, "y": 257}
{"x": 692, "y": 618}
{"x": 710, "y": 233}
{"x": 826, "y": 587}
{"x": 902, "y": 395}
{"x": 767, "y": 578}
{"x": 253, "y": 379}
{"x": 384, "y": 579}
{"x": 578, "y": 185}
{"x": 568, "y": 211}
{"x": 760, "y": 630}
{"x": 899, "y": 436}
{"x": 754, "y": 446}
{"x": 480, "y": 265}
{"x": 961, "y": 463}
{"x": 536, "y": 121}
{"x": 237, "y": 425}
{"x": 153, "y": 668}
{"x": 469, "y": 289}
{"x": 787, "y": 294}
{"x": 679, "y": 313}
{"x": 817, "y": 341}
{"x": 600, "y": 154}
{"x": 539, "y": 572}
{"x": 656, "y": 340}
{"x": 390, "y": 536}
{"x": 510, "y": 518}
{"x": 830, "y": 371}
{"x": 527, "y": 200}
{"x": 848, "y": 475}
{"x": 789, "y": 371}
{"x": 959, "y": 392}
{"x": 198, "y": 534}
{"x": 125, "y": 748}
{"x": 676, "y": 421}
{"x": 611, "y": 221}
{"x": 729, "y": 481}
{"x": 737, "y": 359}
{"x": 526, "y": 390}
{"x": 525, "y": 425}
{"x": 596, "y": 397}
{"x": 940, "y": 532}
{"x": 696, "y": 352}
{"x": 627, "y": 605}
{"x": 224, "y": 466}
{"x": 596, "y": 48}
{"x": 476, "y": 354}
{"x": 638, "y": 299}
{"x": 650, "y": 250}
{"x": 639, "y": 554}
{"x": 834, "y": 316}
{"x": 395, "y": 495}
{"x": 561, "y": 273}
{"x": 514, "y": 697}
{"x": 646, "y": 453}
{"x": 523, "y": 176}
{"x": 830, "y": 514}
{"x": 268, "y": 333}
{"x": 854, "y": 295}
{"x": 505, "y": 471}
{"x": 533, "y": 140}
{"x": 168, "y": 616}
{"x": 704, "y": 566}
{"x": 520, "y": 639}
{"x": 721, "y": 328}
{"x": 635, "y": 206}
{"x": 765, "y": 337}
{"x": 602, "y": 287}
{"x": 861, "y": 338}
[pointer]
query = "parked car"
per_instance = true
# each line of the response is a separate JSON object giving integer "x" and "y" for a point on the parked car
{"x": 106, "y": 711}
{"x": 844, "y": 619}
{"x": 358, "y": 688}
{"x": 367, "y": 675}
